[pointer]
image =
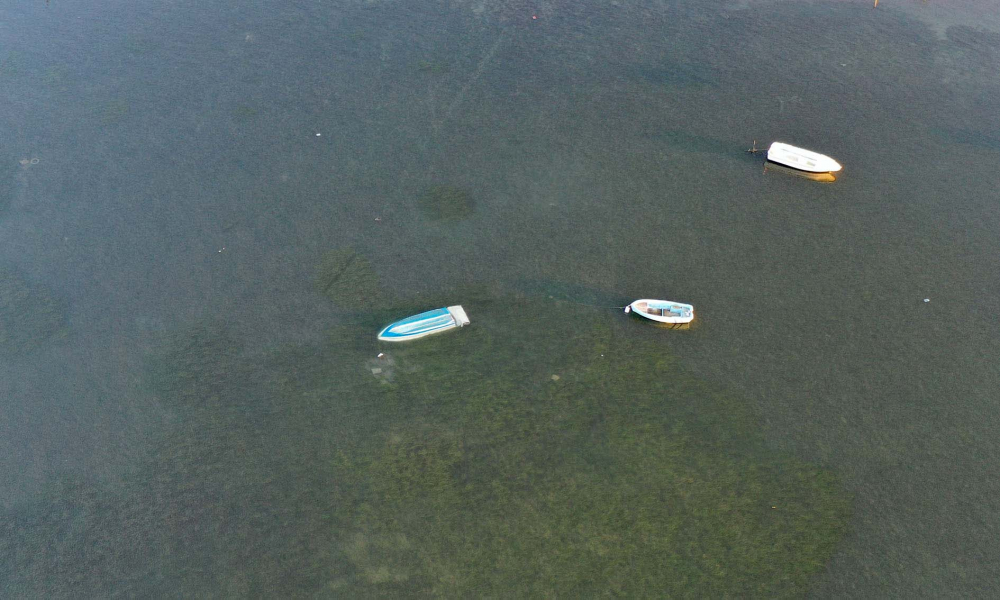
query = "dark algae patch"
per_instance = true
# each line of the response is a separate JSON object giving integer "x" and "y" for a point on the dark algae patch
{"x": 11, "y": 64}
{"x": 432, "y": 67}
{"x": 674, "y": 74}
{"x": 446, "y": 203}
{"x": 29, "y": 314}
{"x": 980, "y": 40}
{"x": 347, "y": 278}
{"x": 543, "y": 451}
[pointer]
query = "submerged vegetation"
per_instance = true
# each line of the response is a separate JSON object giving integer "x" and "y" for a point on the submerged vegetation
{"x": 347, "y": 278}
{"x": 521, "y": 456}
{"x": 433, "y": 67}
{"x": 7, "y": 171}
{"x": 113, "y": 111}
{"x": 445, "y": 203}
{"x": 624, "y": 478}
{"x": 29, "y": 314}
{"x": 243, "y": 113}
{"x": 10, "y": 63}
{"x": 195, "y": 365}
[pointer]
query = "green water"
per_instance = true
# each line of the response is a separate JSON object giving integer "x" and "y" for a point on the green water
{"x": 213, "y": 419}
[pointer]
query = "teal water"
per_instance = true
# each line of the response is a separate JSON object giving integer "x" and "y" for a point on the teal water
{"x": 182, "y": 201}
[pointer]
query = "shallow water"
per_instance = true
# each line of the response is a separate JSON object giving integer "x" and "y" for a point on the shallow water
{"x": 181, "y": 184}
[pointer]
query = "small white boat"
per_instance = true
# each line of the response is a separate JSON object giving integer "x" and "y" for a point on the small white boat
{"x": 663, "y": 311}
{"x": 801, "y": 159}
{"x": 424, "y": 324}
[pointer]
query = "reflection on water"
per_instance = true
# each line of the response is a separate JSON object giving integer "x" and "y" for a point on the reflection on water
{"x": 820, "y": 177}
{"x": 675, "y": 326}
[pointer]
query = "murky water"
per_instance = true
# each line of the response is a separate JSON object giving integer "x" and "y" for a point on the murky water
{"x": 195, "y": 164}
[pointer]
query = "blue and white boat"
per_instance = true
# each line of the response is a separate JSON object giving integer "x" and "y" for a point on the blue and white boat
{"x": 663, "y": 311}
{"x": 424, "y": 324}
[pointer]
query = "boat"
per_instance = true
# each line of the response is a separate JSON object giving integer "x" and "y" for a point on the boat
{"x": 801, "y": 159}
{"x": 424, "y": 324}
{"x": 662, "y": 311}
{"x": 820, "y": 177}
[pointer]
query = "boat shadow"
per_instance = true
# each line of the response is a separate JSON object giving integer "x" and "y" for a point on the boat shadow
{"x": 643, "y": 322}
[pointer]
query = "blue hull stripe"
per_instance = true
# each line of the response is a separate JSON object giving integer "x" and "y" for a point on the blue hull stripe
{"x": 423, "y": 323}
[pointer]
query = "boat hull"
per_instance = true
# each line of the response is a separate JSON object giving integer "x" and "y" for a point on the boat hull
{"x": 801, "y": 159}
{"x": 662, "y": 311}
{"x": 425, "y": 324}
{"x": 820, "y": 177}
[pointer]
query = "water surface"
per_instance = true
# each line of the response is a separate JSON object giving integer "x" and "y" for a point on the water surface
{"x": 196, "y": 163}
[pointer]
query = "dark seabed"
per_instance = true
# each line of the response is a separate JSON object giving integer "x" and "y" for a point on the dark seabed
{"x": 208, "y": 210}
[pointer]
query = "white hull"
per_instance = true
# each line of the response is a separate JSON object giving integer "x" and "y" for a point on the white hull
{"x": 801, "y": 159}
{"x": 824, "y": 177}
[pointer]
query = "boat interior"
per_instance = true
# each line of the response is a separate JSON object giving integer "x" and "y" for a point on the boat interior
{"x": 672, "y": 311}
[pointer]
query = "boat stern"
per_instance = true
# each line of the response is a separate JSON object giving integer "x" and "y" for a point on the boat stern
{"x": 458, "y": 313}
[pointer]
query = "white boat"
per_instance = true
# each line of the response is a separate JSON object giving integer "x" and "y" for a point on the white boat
{"x": 663, "y": 311}
{"x": 801, "y": 159}
{"x": 424, "y": 324}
